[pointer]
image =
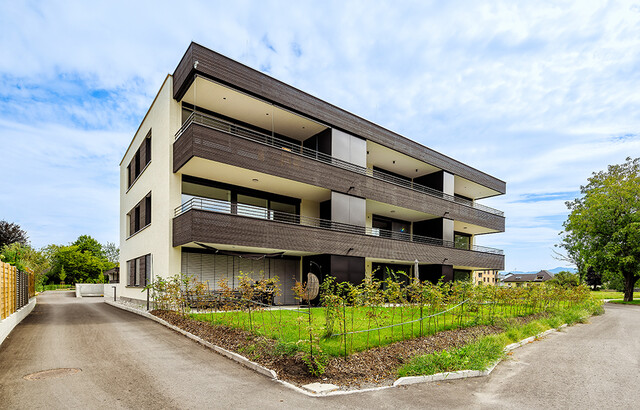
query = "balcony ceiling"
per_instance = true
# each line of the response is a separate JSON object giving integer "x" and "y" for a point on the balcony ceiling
{"x": 472, "y": 189}
{"x": 396, "y": 212}
{"x": 383, "y": 157}
{"x": 472, "y": 229}
{"x": 216, "y": 171}
{"x": 235, "y": 104}
{"x": 246, "y": 249}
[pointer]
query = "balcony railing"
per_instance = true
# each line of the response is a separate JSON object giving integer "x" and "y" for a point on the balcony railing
{"x": 251, "y": 211}
{"x": 298, "y": 149}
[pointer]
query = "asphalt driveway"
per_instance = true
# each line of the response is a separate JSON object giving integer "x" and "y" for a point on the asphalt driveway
{"x": 127, "y": 361}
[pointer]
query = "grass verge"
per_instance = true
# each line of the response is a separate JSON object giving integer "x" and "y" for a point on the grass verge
{"x": 622, "y": 302}
{"x": 480, "y": 354}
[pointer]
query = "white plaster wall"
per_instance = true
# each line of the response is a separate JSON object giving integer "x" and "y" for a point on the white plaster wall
{"x": 163, "y": 118}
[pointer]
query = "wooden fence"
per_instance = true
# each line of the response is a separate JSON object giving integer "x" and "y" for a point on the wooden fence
{"x": 16, "y": 288}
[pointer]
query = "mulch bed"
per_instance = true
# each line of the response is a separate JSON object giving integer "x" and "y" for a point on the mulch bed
{"x": 373, "y": 367}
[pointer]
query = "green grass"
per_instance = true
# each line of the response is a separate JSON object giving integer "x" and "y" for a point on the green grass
{"x": 290, "y": 327}
{"x": 487, "y": 350}
{"x": 611, "y": 295}
{"x": 622, "y": 302}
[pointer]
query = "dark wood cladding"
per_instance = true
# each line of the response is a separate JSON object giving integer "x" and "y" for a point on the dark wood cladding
{"x": 207, "y": 143}
{"x": 214, "y": 228}
{"x": 225, "y": 70}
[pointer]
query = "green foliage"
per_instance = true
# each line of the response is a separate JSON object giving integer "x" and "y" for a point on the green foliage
{"x": 62, "y": 275}
{"x": 86, "y": 243}
{"x": 14, "y": 254}
{"x": 603, "y": 228}
{"x": 24, "y": 256}
{"x": 354, "y": 318}
{"x": 83, "y": 261}
{"x": 565, "y": 279}
{"x": 486, "y": 351}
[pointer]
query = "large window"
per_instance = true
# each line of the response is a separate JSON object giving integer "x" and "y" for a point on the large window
{"x": 139, "y": 271}
{"x": 139, "y": 161}
{"x": 388, "y": 227}
{"x": 214, "y": 196}
{"x": 140, "y": 216}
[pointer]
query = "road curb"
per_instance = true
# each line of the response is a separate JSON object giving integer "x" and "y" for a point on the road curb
{"x": 402, "y": 381}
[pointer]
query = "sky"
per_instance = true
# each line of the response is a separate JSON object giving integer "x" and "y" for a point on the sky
{"x": 538, "y": 94}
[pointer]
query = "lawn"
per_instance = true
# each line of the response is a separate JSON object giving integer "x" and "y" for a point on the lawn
{"x": 611, "y": 295}
{"x": 291, "y": 327}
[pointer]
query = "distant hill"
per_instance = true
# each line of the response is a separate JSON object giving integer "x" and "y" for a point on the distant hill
{"x": 554, "y": 271}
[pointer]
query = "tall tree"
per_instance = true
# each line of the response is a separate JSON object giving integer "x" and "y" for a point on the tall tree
{"x": 11, "y": 233}
{"x": 604, "y": 223}
{"x": 87, "y": 243}
{"x": 111, "y": 252}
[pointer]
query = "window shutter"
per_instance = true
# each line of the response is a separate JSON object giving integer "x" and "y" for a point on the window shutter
{"x": 132, "y": 272}
{"x": 143, "y": 271}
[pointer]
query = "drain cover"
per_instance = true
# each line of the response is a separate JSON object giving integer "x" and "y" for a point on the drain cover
{"x": 51, "y": 374}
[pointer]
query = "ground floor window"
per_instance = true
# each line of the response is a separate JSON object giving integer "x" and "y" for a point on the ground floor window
{"x": 139, "y": 271}
{"x": 210, "y": 268}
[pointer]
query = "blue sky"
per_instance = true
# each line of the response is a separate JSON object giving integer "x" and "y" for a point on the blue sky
{"x": 538, "y": 94}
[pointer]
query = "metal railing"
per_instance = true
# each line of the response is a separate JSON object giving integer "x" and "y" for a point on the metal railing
{"x": 298, "y": 149}
{"x": 251, "y": 211}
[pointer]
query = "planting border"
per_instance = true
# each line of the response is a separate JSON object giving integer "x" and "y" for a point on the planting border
{"x": 402, "y": 381}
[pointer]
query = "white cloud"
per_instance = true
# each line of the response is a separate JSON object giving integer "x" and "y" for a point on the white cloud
{"x": 531, "y": 92}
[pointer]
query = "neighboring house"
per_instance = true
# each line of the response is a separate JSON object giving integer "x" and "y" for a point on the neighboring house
{"x": 112, "y": 275}
{"x": 487, "y": 277}
{"x": 234, "y": 171}
{"x": 526, "y": 279}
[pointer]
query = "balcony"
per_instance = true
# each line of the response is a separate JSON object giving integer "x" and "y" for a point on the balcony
{"x": 218, "y": 124}
{"x": 254, "y": 212}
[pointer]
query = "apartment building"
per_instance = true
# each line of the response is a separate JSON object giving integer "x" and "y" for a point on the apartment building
{"x": 486, "y": 277}
{"x": 234, "y": 171}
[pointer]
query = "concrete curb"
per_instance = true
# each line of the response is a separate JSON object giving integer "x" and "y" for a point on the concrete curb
{"x": 402, "y": 381}
{"x": 9, "y": 323}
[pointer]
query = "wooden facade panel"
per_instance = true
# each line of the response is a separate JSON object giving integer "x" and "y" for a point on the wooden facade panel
{"x": 209, "y": 227}
{"x": 219, "y": 146}
{"x": 220, "y": 68}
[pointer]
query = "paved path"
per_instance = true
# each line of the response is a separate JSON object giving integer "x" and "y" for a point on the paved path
{"x": 131, "y": 362}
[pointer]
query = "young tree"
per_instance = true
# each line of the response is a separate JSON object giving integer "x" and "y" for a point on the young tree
{"x": 604, "y": 223}
{"x": 11, "y": 233}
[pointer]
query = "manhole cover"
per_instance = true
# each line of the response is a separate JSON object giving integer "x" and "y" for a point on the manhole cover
{"x": 51, "y": 374}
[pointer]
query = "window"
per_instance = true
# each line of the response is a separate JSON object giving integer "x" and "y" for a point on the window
{"x": 140, "y": 215}
{"x": 139, "y": 270}
{"x": 462, "y": 241}
{"x": 140, "y": 160}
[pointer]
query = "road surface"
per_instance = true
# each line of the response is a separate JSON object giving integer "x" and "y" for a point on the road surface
{"x": 127, "y": 361}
